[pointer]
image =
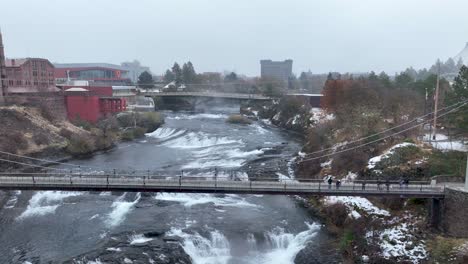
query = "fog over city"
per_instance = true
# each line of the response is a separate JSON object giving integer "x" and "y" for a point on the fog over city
{"x": 345, "y": 36}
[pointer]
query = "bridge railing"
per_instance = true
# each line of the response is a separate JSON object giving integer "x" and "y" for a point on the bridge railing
{"x": 207, "y": 183}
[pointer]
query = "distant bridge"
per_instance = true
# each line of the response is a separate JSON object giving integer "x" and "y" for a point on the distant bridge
{"x": 72, "y": 182}
{"x": 240, "y": 96}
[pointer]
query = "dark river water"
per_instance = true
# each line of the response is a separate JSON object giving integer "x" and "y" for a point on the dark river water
{"x": 57, "y": 227}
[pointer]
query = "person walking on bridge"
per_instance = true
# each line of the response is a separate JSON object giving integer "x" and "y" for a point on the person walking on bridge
{"x": 330, "y": 181}
{"x": 338, "y": 183}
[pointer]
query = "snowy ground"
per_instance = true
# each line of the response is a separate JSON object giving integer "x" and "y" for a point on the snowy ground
{"x": 357, "y": 205}
{"x": 397, "y": 241}
{"x": 442, "y": 142}
{"x": 373, "y": 161}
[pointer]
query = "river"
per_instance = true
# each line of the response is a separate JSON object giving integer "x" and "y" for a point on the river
{"x": 87, "y": 227}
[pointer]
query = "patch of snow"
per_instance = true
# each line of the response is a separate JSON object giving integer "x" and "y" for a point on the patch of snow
{"x": 357, "y": 203}
{"x": 277, "y": 116}
{"x": 350, "y": 177}
{"x": 318, "y": 115}
{"x": 301, "y": 154}
{"x": 295, "y": 119}
{"x": 113, "y": 249}
{"x": 326, "y": 164}
{"x": 442, "y": 142}
{"x": 373, "y": 161}
{"x": 354, "y": 214}
{"x": 397, "y": 241}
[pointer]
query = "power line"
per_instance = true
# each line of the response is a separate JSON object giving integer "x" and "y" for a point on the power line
{"x": 386, "y": 130}
{"x": 31, "y": 165}
{"x": 363, "y": 145}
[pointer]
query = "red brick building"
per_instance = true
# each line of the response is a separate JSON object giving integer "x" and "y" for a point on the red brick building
{"x": 90, "y": 106}
{"x": 29, "y": 75}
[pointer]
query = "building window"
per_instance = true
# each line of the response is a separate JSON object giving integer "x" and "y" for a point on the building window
{"x": 18, "y": 82}
{"x": 35, "y": 73}
{"x": 36, "y": 83}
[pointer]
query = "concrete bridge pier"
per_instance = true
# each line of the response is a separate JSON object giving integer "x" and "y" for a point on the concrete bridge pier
{"x": 435, "y": 212}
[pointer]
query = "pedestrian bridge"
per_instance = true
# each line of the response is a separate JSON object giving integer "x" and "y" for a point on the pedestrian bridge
{"x": 134, "y": 183}
{"x": 240, "y": 96}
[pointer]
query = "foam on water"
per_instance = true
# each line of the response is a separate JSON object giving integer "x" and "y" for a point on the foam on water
{"x": 45, "y": 202}
{"x": 201, "y": 164}
{"x": 199, "y": 116}
{"x": 138, "y": 239}
{"x": 120, "y": 209}
{"x": 196, "y": 140}
{"x": 189, "y": 200}
{"x": 165, "y": 133}
{"x": 282, "y": 247}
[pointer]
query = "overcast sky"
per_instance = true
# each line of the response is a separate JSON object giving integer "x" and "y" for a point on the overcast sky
{"x": 233, "y": 35}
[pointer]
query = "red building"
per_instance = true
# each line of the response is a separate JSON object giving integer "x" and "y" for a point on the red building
{"x": 98, "y": 73}
{"x": 89, "y": 106}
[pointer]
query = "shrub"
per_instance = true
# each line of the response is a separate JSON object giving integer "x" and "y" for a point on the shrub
{"x": 66, "y": 133}
{"x": 139, "y": 132}
{"x": 40, "y": 138}
{"x": 443, "y": 163}
{"x": 150, "y": 120}
{"x": 238, "y": 119}
{"x": 47, "y": 112}
{"x": 80, "y": 145}
{"x": 132, "y": 133}
{"x": 19, "y": 140}
{"x": 337, "y": 214}
{"x": 82, "y": 123}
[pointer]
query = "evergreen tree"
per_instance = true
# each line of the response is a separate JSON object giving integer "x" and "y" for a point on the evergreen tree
{"x": 188, "y": 73}
{"x": 177, "y": 71}
{"x": 385, "y": 79}
{"x": 403, "y": 80}
{"x": 232, "y": 77}
{"x": 459, "y": 119}
{"x": 145, "y": 80}
{"x": 169, "y": 76}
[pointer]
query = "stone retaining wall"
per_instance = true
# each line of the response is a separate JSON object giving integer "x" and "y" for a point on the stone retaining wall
{"x": 455, "y": 213}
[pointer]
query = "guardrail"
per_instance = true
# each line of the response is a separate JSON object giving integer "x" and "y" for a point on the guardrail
{"x": 210, "y": 94}
{"x": 142, "y": 183}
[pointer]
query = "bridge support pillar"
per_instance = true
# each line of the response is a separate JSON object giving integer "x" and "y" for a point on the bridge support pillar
{"x": 455, "y": 212}
{"x": 435, "y": 213}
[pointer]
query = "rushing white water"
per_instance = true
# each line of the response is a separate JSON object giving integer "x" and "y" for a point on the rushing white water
{"x": 282, "y": 247}
{"x": 195, "y": 140}
{"x": 45, "y": 202}
{"x": 189, "y": 200}
{"x": 138, "y": 239}
{"x": 120, "y": 208}
{"x": 199, "y": 116}
{"x": 285, "y": 246}
{"x": 212, "y": 250}
{"x": 13, "y": 199}
{"x": 165, "y": 133}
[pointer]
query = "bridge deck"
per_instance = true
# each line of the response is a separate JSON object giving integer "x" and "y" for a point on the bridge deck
{"x": 209, "y": 94}
{"x": 185, "y": 184}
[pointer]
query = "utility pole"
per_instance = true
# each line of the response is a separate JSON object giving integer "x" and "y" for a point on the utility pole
{"x": 436, "y": 101}
{"x": 466, "y": 173}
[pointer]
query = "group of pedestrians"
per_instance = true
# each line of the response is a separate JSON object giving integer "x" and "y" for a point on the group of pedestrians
{"x": 330, "y": 182}
{"x": 403, "y": 182}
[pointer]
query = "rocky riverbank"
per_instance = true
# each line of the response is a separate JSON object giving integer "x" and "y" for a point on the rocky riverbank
{"x": 28, "y": 131}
